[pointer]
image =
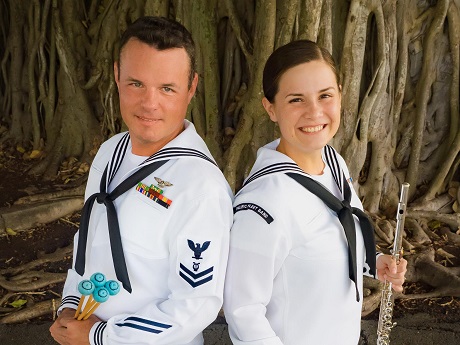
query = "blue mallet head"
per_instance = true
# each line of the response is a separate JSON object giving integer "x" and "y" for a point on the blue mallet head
{"x": 113, "y": 287}
{"x": 98, "y": 279}
{"x": 101, "y": 294}
{"x": 86, "y": 287}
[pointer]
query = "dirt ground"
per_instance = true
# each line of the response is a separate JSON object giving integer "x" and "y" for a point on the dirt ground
{"x": 25, "y": 246}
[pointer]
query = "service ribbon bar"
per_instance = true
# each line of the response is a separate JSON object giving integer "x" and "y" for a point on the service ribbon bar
{"x": 154, "y": 193}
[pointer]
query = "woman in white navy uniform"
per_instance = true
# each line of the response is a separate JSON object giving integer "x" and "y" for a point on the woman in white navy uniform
{"x": 292, "y": 276}
{"x": 162, "y": 234}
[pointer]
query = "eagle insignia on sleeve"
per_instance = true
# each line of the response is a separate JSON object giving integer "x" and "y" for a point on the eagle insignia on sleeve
{"x": 195, "y": 278}
{"x": 198, "y": 248}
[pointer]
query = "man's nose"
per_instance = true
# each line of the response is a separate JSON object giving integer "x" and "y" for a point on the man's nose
{"x": 150, "y": 99}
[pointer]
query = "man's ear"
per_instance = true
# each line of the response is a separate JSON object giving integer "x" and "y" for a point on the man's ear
{"x": 269, "y": 109}
{"x": 192, "y": 89}
{"x": 116, "y": 72}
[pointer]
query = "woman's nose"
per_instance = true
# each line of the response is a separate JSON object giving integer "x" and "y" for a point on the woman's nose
{"x": 312, "y": 109}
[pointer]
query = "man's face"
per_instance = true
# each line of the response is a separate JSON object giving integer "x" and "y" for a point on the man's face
{"x": 154, "y": 94}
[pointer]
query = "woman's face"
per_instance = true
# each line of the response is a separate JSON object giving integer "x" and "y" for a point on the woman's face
{"x": 306, "y": 108}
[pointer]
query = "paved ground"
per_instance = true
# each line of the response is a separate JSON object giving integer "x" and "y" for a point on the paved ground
{"x": 418, "y": 329}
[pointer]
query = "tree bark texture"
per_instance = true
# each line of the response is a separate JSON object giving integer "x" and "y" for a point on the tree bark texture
{"x": 399, "y": 65}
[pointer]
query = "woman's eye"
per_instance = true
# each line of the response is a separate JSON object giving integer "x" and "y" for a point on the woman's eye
{"x": 136, "y": 84}
{"x": 295, "y": 100}
{"x": 325, "y": 96}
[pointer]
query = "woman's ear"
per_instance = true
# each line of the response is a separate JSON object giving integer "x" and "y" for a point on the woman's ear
{"x": 269, "y": 109}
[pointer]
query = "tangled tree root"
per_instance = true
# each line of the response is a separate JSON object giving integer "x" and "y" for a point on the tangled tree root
{"x": 419, "y": 243}
{"x": 23, "y": 279}
{"x": 422, "y": 267}
{"x": 31, "y": 211}
{"x": 38, "y": 309}
{"x": 372, "y": 292}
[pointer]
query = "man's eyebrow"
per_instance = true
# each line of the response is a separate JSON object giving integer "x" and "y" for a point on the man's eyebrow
{"x": 169, "y": 85}
{"x": 133, "y": 79}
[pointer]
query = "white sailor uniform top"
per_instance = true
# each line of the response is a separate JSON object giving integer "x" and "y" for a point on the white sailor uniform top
{"x": 288, "y": 276}
{"x": 174, "y": 227}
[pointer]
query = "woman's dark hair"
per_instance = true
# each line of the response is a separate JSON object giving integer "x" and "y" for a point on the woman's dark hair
{"x": 161, "y": 33}
{"x": 291, "y": 55}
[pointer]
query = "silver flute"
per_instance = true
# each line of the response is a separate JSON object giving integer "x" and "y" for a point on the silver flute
{"x": 387, "y": 300}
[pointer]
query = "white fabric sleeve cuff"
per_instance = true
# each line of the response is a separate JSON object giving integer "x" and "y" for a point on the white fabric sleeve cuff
{"x": 97, "y": 334}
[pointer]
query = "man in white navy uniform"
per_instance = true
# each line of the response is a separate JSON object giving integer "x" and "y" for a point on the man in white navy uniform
{"x": 157, "y": 208}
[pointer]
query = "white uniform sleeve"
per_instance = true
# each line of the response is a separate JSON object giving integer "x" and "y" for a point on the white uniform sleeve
{"x": 257, "y": 251}
{"x": 198, "y": 260}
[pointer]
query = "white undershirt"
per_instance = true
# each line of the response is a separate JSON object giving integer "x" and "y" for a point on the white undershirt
{"x": 130, "y": 161}
{"x": 328, "y": 181}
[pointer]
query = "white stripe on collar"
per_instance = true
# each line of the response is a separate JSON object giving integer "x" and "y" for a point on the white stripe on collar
{"x": 331, "y": 160}
{"x": 164, "y": 154}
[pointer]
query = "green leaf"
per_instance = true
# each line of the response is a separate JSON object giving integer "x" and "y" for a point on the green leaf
{"x": 435, "y": 224}
{"x": 18, "y": 303}
{"x": 11, "y": 232}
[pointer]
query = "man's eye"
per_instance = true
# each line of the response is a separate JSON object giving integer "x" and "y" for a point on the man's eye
{"x": 136, "y": 84}
{"x": 295, "y": 100}
{"x": 167, "y": 89}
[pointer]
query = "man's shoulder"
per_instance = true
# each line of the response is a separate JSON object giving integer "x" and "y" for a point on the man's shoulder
{"x": 106, "y": 149}
{"x": 200, "y": 174}
{"x": 112, "y": 142}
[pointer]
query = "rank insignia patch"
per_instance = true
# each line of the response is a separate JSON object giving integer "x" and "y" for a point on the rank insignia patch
{"x": 154, "y": 193}
{"x": 195, "y": 279}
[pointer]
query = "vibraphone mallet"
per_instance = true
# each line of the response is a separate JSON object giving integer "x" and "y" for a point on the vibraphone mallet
{"x": 86, "y": 288}
{"x": 100, "y": 295}
{"x": 112, "y": 288}
{"x": 98, "y": 279}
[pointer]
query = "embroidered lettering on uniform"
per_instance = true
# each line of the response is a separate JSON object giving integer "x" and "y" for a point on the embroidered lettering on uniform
{"x": 255, "y": 208}
{"x": 154, "y": 193}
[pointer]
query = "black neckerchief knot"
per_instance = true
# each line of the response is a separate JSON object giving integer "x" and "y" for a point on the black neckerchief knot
{"x": 345, "y": 213}
{"x": 102, "y": 198}
{"x": 346, "y": 207}
{"x": 107, "y": 199}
